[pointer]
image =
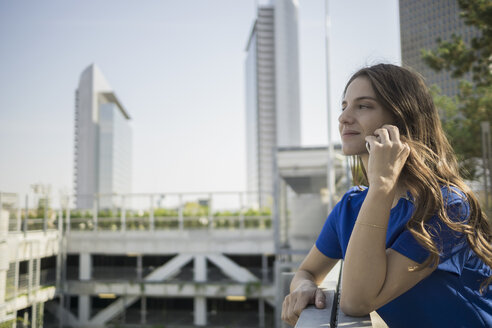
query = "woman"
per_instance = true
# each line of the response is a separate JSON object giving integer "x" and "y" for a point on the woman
{"x": 416, "y": 245}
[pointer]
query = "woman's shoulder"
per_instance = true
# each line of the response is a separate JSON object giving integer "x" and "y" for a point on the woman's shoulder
{"x": 452, "y": 195}
{"x": 355, "y": 194}
{"x": 455, "y": 202}
{"x": 356, "y": 191}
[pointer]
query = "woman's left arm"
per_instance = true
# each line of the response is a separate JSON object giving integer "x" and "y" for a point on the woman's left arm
{"x": 373, "y": 275}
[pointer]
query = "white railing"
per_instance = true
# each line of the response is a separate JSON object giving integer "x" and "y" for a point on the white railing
{"x": 141, "y": 212}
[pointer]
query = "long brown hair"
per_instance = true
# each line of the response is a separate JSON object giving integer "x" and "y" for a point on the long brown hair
{"x": 431, "y": 164}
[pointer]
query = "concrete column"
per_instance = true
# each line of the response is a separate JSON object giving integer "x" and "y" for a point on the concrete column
{"x": 264, "y": 268}
{"x": 37, "y": 310}
{"x": 37, "y": 282}
{"x": 261, "y": 313}
{"x": 4, "y": 257}
{"x": 41, "y": 313}
{"x": 200, "y": 275}
{"x": 85, "y": 269}
{"x": 143, "y": 310}
{"x": 34, "y": 314}
{"x": 139, "y": 268}
{"x": 30, "y": 274}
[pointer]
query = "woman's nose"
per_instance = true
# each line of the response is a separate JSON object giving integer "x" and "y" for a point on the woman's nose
{"x": 345, "y": 117}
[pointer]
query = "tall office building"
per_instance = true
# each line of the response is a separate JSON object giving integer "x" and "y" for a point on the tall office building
{"x": 272, "y": 93}
{"x": 102, "y": 142}
{"x": 421, "y": 23}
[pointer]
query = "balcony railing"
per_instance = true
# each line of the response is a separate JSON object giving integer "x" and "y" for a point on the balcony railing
{"x": 142, "y": 212}
{"x": 331, "y": 315}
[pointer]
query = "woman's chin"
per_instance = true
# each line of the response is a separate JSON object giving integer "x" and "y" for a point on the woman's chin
{"x": 350, "y": 151}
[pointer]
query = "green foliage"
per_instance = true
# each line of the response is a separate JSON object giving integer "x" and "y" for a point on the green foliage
{"x": 461, "y": 115}
{"x": 194, "y": 209}
{"x": 165, "y": 212}
{"x": 78, "y": 214}
{"x": 459, "y": 58}
{"x": 258, "y": 212}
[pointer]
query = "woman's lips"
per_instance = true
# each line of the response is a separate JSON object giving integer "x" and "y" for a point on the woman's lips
{"x": 350, "y": 133}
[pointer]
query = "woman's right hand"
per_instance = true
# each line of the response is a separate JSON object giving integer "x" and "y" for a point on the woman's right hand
{"x": 306, "y": 293}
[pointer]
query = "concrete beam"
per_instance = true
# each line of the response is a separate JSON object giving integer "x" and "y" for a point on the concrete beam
{"x": 171, "y": 289}
{"x": 232, "y": 269}
{"x": 67, "y": 317}
{"x": 36, "y": 244}
{"x": 169, "y": 269}
{"x": 24, "y": 301}
{"x": 248, "y": 241}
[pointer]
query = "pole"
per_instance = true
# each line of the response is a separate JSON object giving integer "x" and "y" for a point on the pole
{"x": 486, "y": 161}
{"x": 330, "y": 174}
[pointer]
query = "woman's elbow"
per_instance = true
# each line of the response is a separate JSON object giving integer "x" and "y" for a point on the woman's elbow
{"x": 354, "y": 307}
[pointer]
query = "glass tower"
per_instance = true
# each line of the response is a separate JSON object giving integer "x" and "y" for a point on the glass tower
{"x": 102, "y": 158}
{"x": 272, "y": 94}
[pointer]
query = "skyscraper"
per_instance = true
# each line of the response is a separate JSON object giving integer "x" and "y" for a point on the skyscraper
{"x": 421, "y": 23}
{"x": 272, "y": 93}
{"x": 102, "y": 142}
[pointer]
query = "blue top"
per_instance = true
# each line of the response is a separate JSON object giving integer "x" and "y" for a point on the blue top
{"x": 450, "y": 296}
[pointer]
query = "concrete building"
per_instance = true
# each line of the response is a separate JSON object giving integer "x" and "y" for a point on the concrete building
{"x": 154, "y": 269}
{"x": 421, "y": 23}
{"x": 102, "y": 158}
{"x": 29, "y": 265}
{"x": 272, "y": 93}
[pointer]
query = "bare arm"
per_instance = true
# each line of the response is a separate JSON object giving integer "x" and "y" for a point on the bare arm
{"x": 314, "y": 268}
{"x": 373, "y": 275}
{"x": 304, "y": 286}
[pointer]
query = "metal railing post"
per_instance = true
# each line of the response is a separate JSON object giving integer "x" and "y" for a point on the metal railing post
{"x": 95, "y": 206}
{"x": 210, "y": 212}
{"x": 180, "y": 213}
{"x": 45, "y": 217}
{"x": 19, "y": 214}
{"x": 151, "y": 213}
{"x": 123, "y": 213}
{"x": 67, "y": 215}
{"x": 241, "y": 211}
{"x": 26, "y": 216}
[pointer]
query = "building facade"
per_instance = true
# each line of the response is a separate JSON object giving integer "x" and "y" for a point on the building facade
{"x": 272, "y": 93}
{"x": 421, "y": 23}
{"x": 102, "y": 158}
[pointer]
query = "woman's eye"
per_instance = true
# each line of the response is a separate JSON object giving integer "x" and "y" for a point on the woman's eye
{"x": 363, "y": 106}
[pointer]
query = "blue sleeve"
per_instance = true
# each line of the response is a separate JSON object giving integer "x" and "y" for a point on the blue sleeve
{"x": 328, "y": 241}
{"x": 452, "y": 245}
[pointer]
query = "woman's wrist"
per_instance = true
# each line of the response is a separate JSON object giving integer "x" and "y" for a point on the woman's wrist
{"x": 381, "y": 192}
{"x": 382, "y": 185}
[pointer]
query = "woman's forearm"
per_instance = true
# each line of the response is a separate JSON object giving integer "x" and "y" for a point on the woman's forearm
{"x": 365, "y": 264}
{"x": 302, "y": 277}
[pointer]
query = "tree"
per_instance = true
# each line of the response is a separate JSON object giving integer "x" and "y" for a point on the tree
{"x": 461, "y": 115}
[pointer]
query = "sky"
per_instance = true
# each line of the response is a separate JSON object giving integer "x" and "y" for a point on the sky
{"x": 178, "y": 69}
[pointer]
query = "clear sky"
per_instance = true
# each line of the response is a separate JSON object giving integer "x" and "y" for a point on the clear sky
{"x": 178, "y": 68}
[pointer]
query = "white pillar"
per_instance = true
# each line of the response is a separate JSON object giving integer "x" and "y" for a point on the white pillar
{"x": 34, "y": 314}
{"x": 261, "y": 313}
{"x": 4, "y": 257}
{"x": 200, "y": 275}
{"x": 85, "y": 269}
{"x": 143, "y": 310}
